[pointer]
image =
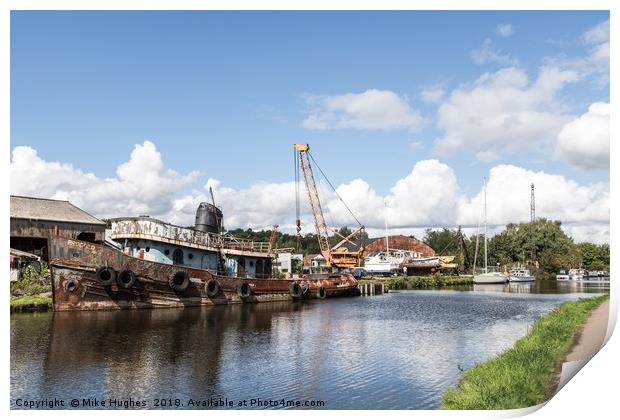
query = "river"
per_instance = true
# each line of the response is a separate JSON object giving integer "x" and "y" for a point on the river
{"x": 400, "y": 350}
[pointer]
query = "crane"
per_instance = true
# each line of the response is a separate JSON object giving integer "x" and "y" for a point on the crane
{"x": 335, "y": 256}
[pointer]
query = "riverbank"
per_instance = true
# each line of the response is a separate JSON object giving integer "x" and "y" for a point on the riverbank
{"x": 31, "y": 304}
{"x": 420, "y": 282}
{"x": 523, "y": 376}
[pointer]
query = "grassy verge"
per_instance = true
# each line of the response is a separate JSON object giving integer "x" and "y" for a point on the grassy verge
{"x": 31, "y": 303}
{"x": 420, "y": 282}
{"x": 521, "y": 376}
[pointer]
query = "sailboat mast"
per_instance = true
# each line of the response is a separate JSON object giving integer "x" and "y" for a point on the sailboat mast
{"x": 486, "y": 262}
{"x": 387, "y": 241}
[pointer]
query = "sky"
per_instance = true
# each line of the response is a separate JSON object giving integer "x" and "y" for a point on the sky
{"x": 128, "y": 113}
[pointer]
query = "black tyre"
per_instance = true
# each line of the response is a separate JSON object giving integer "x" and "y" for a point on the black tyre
{"x": 296, "y": 291}
{"x": 212, "y": 288}
{"x": 321, "y": 293}
{"x": 179, "y": 281}
{"x": 244, "y": 290}
{"x": 106, "y": 276}
{"x": 126, "y": 279}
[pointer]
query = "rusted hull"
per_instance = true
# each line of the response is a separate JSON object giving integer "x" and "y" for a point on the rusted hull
{"x": 78, "y": 286}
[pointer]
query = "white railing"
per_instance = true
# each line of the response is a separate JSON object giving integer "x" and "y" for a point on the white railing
{"x": 155, "y": 229}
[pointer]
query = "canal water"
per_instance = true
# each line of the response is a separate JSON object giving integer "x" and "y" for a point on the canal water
{"x": 401, "y": 350}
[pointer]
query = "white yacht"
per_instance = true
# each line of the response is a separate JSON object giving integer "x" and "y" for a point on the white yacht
{"x": 520, "y": 273}
{"x": 386, "y": 262}
{"x": 577, "y": 274}
{"x": 488, "y": 277}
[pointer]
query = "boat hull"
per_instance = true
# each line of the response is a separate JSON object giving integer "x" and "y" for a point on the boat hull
{"x": 489, "y": 279}
{"x": 516, "y": 279}
{"x": 76, "y": 285}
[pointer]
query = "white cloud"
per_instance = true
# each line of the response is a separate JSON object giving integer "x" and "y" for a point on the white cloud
{"x": 593, "y": 65}
{"x": 597, "y": 34}
{"x": 584, "y": 141}
{"x": 503, "y": 112}
{"x": 557, "y": 198}
{"x": 433, "y": 94}
{"x": 488, "y": 53}
{"x": 429, "y": 196}
{"x": 143, "y": 184}
{"x": 372, "y": 109}
{"x": 504, "y": 29}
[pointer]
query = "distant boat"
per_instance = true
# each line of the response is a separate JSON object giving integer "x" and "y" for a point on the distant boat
{"x": 487, "y": 277}
{"x": 577, "y": 274}
{"x": 421, "y": 262}
{"x": 492, "y": 277}
{"x": 563, "y": 275}
{"x": 520, "y": 274}
{"x": 387, "y": 262}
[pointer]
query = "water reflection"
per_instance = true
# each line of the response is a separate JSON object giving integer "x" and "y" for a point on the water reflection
{"x": 544, "y": 287}
{"x": 400, "y": 350}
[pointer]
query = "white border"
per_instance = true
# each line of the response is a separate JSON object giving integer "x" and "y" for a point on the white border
{"x": 591, "y": 395}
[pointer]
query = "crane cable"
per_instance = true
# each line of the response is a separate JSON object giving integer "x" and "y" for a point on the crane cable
{"x": 333, "y": 188}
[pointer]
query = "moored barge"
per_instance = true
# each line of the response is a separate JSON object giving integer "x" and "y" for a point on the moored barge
{"x": 88, "y": 276}
{"x": 161, "y": 265}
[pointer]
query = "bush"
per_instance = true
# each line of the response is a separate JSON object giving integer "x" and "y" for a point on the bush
{"x": 31, "y": 282}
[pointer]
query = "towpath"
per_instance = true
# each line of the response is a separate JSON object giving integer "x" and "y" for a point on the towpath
{"x": 590, "y": 338}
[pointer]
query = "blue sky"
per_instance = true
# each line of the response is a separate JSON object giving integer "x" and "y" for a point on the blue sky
{"x": 226, "y": 93}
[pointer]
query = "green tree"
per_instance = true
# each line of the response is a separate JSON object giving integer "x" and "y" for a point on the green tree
{"x": 444, "y": 241}
{"x": 588, "y": 253}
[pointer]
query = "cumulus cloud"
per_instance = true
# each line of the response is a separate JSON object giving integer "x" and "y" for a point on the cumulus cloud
{"x": 557, "y": 198}
{"x": 372, "y": 109}
{"x": 429, "y": 196}
{"x": 584, "y": 141}
{"x": 488, "y": 53}
{"x": 143, "y": 184}
{"x": 504, "y": 29}
{"x": 503, "y": 112}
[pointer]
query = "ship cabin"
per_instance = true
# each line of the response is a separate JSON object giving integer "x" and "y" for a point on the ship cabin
{"x": 203, "y": 247}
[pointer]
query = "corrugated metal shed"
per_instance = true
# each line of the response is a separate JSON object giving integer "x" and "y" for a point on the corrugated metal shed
{"x": 32, "y": 208}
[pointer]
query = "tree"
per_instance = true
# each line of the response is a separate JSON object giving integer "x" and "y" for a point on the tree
{"x": 443, "y": 241}
{"x": 588, "y": 253}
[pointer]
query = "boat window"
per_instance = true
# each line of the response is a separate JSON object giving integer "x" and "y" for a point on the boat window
{"x": 190, "y": 255}
{"x": 167, "y": 252}
{"x": 177, "y": 256}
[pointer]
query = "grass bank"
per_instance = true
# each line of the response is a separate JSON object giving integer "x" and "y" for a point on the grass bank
{"x": 420, "y": 282}
{"x": 31, "y": 304}
{"x": 521, "y": 376}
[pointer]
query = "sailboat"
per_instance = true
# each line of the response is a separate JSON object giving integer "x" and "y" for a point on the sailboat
{"x": 487, "y": 277}
{"x": 386, "y": 262}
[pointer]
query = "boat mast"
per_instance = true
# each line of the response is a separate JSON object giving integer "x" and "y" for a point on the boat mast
{"x": 486, "y": 262}
{"x": 387, "y": 241}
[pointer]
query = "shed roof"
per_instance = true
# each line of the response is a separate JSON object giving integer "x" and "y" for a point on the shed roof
{"x": 52, "y": 210}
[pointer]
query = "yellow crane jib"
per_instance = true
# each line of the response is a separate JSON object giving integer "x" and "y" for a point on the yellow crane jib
{"x": 334, "y": 256}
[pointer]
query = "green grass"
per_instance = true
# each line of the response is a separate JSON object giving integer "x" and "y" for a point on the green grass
{"x": 521, "y": 377}
{"x": 28, "y": 303}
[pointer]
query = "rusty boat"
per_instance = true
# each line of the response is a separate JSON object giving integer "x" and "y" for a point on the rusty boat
{"x": 157, "y": 264}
